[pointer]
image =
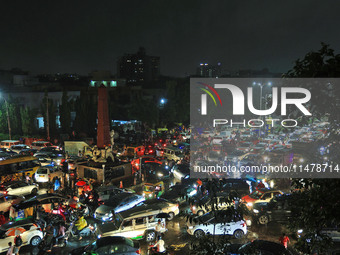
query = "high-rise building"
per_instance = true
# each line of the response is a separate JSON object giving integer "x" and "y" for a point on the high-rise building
{"x": 209, "y": 71}
{"x": 138, "y": 68}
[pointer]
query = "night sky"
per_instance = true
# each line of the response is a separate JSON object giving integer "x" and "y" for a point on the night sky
{"x": 81, "y": 36}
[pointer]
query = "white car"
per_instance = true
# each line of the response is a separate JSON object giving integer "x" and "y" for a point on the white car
{"x": 31, "y": 236}
{"x": 208, "y": 223}
{"x": 47, "y": 173}
{"x": 18, "y": 188}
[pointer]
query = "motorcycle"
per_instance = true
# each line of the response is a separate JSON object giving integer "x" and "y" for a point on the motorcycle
{"x": 152, "y": 250}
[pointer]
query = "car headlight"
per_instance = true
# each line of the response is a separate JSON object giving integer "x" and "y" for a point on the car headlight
{"x": 192, "y": 193}
{"x": 99, "y": 236}
{"x": 194, "y": 208}
{"x": 160, "y": 175}
{"x": 255, "y": 211}
{"x": 250, "y": 204}
{"x": 300, "y": 231}
{"x": 190, "y": 227}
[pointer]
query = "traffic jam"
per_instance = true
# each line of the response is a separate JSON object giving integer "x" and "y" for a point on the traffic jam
{"x": 53, "y": 201}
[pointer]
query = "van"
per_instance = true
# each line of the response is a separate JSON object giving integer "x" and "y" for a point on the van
{"x": 37, "y": 145}
{"x": 8, "y": 143}
{"x": 138, "y": 225}
{"x": 173, "y": 154}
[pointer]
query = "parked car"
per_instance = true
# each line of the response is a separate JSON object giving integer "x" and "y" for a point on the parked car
{"x": 115, "y": 204}
{"x": 31, "y": 236}
{"x": 138, "y": 226}
{"x": 117, "y": 245}
{"x": 6, "y": 201}
{"x": 18, "y": 188}
{"x": 213, "y": 224}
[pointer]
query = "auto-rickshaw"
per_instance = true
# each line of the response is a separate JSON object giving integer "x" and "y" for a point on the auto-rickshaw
{"x": 151, "y": 190}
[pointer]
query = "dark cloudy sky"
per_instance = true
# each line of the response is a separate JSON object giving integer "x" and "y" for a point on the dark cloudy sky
{"x": 44, "y": 36}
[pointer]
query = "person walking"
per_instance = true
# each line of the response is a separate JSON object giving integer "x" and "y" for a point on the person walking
{"x": 284, "y": 240}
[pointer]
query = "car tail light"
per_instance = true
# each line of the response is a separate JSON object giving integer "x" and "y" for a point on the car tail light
{"x": 243, "y": 224}
{"x": 138, "y": 251}
{"x": 164, "y": 145}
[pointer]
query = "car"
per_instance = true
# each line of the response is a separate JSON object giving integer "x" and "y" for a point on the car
{"x": 28, "y": 152}
{"x": 6, "y": 201}
{"x": 239, "y": 186}
{"x": 19, "y": 147}
{"x": 105, "y": 192}
{"x": 236, "y": 156}
{"x": 263, "y": 247}
{"x": 214, "y": 224}
{"x": 181, "y": 171}
{"x": 260, "y": 196}
{"x": 47, "y": 173}
{"x": 40, "y": 144}
{"x": 8, "y": 151}
{"x": 137, "y": 226}
{"x": 115, "y": 204}
{"x": 117, "y": 245}
{"x": 278, "y": 210}
{"x": 158, "y": 173}
{"x": 31, "y": 236}
{"x": 46, "y": 200}
{"x": 178, "y": 193}
{"x": 162, "y": 205}
{"x": 204, "y": 204}
{"x": 18, "y": 188}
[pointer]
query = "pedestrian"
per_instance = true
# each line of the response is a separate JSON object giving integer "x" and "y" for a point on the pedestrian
{"x": 121, "y": 184}
{"x": 160, "y": 245}
{"x": 2, "y": 218}
{"x": 12, "y": 213}
{"x": 284, "y": 240}
{"x": 158, "y": 228}
{"x": 10, "y": 249}
{"x": 17, "y": 243}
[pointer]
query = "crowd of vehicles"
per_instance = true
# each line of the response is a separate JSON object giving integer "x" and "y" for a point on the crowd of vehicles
{"x": 123, "y": 216}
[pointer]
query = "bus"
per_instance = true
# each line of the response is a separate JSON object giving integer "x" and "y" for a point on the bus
{"x": 16, "y": 167}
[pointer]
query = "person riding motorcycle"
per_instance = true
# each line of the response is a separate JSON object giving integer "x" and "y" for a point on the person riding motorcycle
{"x": 81, "y": 223}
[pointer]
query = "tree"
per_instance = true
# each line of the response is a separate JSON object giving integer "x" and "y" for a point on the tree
{"x": 27, "y": 120}
{"x": 318, "y": 199}
{"x": 65, "y": 113}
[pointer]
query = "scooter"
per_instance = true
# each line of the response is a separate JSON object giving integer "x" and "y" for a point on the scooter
{"x": 152, "y": 250}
